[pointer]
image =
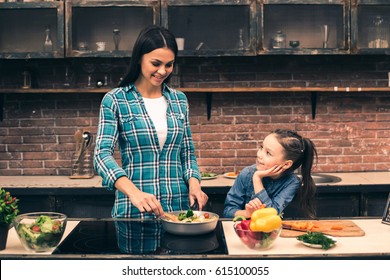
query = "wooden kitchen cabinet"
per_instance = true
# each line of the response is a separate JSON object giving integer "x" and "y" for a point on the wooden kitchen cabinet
{"x": 107, "y": 28}
{"x": 370, "y": 25}
{"x": 304, "y": 27}
{"x": 212, "y": 28}
{"x": 26, "y": 26}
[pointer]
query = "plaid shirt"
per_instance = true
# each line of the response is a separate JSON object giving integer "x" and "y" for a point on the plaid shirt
{"x": 163, "y": 172}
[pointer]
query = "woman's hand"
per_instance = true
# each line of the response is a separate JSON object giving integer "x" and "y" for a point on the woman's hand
{"x": 145, "y": 202}
{"x": 196, "y": 193}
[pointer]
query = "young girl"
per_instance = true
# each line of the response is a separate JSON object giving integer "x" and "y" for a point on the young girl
{"x": 271, "y": 181}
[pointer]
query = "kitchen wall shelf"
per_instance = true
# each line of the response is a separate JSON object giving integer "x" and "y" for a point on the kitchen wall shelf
{"x": 23, "y": 26}
{"x": 210, "y": 90}
{"x": 370, "y": 25}
{"x": 209, "y": 27}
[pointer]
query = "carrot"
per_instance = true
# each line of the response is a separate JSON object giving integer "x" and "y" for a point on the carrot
{"x": 335, "y": 227}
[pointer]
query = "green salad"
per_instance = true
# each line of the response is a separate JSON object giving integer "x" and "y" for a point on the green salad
{"x": 42, "y": 234}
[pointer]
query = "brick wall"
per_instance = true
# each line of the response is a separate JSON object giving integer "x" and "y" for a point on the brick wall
{"x": 351, "y": 130}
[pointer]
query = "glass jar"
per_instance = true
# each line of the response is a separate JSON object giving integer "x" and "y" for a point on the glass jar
{"x": 379, "y": 33}
{"x": 279, "y": 40}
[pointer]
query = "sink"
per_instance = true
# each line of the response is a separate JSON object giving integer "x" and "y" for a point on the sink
{"x": 324, "y": 178}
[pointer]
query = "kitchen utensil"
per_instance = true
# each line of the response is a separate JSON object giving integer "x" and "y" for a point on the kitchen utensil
{"x": 279, "y": 40}
{"x": 78, "y": 138}
{"x": 348, "y": 228}
{"x": 83, "y": 165}
{"x": 180, "y": 228}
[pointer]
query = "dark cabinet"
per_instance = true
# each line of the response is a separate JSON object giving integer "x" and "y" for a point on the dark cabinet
{"x": 304, "y": 27}
{"x": 107, "y": 28}
{"x": 32, "y": 30}
{"x": 370, "y": 25}
{"x": 212, "y": 28}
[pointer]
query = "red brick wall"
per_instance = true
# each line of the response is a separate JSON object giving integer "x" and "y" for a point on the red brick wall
{"x": 351, "y": 130}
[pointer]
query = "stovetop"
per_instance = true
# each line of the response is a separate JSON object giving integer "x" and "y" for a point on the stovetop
{"x": 138, "y": 237}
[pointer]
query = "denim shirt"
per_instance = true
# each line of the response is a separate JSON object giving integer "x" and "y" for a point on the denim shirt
{"x": 276, "y": 193}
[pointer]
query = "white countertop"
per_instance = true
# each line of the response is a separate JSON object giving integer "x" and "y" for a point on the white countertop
{"x": 347, "y": 178}
{"x": 15, "y": 247}
{"x": 375, "y": 241}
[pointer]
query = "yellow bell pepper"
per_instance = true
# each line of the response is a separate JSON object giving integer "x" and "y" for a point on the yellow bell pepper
{"x": 266, "y": 220}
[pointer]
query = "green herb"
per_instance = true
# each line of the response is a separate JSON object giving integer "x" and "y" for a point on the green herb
{"x": 188, "y": 215}
{"x": 8, "y": 207}
{"x": 317, "y": 238}
{"x": 205, "y": 174}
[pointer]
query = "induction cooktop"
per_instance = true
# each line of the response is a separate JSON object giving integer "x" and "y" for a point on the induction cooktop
{"x": 138, "y": 237}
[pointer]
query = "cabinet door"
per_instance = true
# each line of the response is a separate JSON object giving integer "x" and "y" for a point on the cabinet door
{"x": 24, "y": 28}
{"x": 107, "y": 28}
{"x": 304, "y": 27}
{"x": 212, "y": 28}
{"x": 370, "y": 24}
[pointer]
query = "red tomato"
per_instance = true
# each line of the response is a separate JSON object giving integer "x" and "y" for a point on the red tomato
{"x": 55, "y": 227}
{"x": 36, "y": 229}
{"x": 206, "y": 215}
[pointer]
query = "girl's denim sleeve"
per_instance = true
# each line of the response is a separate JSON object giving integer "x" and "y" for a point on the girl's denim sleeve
{"x": 281, "y": 194}
{"x": 237, "y": 195}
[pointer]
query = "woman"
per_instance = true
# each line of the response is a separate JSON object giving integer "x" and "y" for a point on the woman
{"x": 150, "y": 123}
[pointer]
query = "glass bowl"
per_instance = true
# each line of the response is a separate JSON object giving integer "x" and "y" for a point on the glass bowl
{"x": 40, "y": 231}
{"x": 257, "y": 239}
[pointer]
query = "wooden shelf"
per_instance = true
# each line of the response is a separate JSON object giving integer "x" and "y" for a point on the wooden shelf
{"x": 208, "y": 90}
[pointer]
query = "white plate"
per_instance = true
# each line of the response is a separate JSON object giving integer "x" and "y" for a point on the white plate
{"x": 227, "y": 175}
{"x": 213, "y": 176}
{"x": 318, "y": 246}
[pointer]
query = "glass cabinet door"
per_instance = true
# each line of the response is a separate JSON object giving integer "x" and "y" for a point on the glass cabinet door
{"x": 212, "y": 28}
{"x": 304, "y": 26}
{"x": 31, "y": 30}
{"x": 107, "y": 28}
{"x": 370, "y": 22}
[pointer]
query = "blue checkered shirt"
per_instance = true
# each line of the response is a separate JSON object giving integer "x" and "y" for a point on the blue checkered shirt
{"x": 124, "y": 121}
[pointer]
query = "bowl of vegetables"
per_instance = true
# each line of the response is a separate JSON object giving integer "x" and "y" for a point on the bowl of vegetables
{"x": 261, "y": 230}
{"x": 256, "y": 239}
{"x": 40, "y": 231}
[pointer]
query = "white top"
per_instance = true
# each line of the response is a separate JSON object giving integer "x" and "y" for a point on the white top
{"x": 157, "y": 110}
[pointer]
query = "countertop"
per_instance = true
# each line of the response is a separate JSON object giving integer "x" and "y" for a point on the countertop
{"x": 347, "y": 179}
{"x": 374, "y": 244}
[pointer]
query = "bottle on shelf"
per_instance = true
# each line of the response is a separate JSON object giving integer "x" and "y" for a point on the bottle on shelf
{"x": 117, "y": 38}
{"x": 48, "y": 44}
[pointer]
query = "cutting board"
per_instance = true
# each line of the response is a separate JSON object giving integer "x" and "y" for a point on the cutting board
{"x": 349, "y": 228}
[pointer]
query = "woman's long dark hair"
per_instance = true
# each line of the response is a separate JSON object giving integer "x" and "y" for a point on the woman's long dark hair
{"x": 151, "y": 38}
{"x": 302, "y": 152}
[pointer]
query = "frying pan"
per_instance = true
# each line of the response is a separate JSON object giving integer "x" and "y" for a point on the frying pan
{"x": 180, "y": 228}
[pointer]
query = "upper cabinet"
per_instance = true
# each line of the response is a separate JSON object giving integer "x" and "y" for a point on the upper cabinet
{"x": 32, "y": 29}
{"x": 370, "y": 21}
{"x": 107, "y": 28}
{"x": 212, "y": 27}
{"x": 304, "y": 26}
